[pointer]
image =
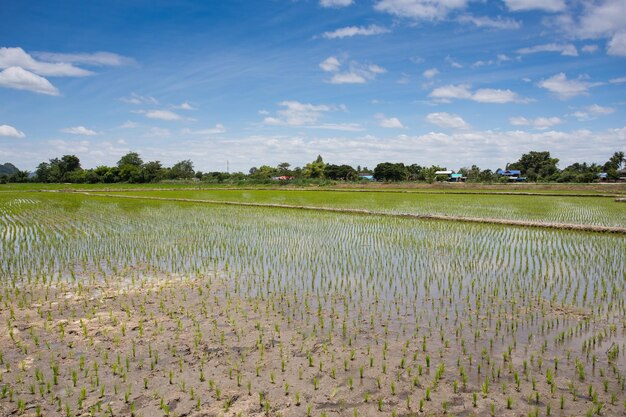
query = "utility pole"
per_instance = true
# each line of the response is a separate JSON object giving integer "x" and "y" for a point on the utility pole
{"x": 227, "y": 166}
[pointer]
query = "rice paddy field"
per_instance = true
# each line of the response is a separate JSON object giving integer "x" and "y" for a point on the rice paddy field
{"x": 600, "y": 211}
{"x": 134, "y": 307}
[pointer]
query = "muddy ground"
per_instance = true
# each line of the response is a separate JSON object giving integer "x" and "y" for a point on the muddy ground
{"x": 200, "y": 347}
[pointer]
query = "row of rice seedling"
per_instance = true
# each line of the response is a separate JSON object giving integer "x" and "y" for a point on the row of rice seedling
{"x": 559, "y": 209}
{"x": 122, "y": 307}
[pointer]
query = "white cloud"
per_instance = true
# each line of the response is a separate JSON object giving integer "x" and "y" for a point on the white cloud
{"x": 295, "y": 113}
{"x": 108, "y": 59}
{"x": 135, "y": 98}
{"x": 375, "y": 69}
{"x": 582, "y": 116}
{"x": 348, "y": 78}
{"x": 563, "y": 49}
{"x": 219, "y": 128}
{"x": 564, "y": 88}
{"x": 453, "y": 63}
{"x": 350, "y": 31}
{"x": 591, "y": 112}
{"x": 619, "y": 80}
{"x": 420, "y": 9}
{"x": 167, "y": 115}
{"x": 305, "y": 115}
{"x": 589, "y": 49}
{"x": 598, "y": 19}
{"x": 79, "y": 130}
{"x": 617, "y": 45}
{"x": 499, "y": 59}
{"x": 335, "y": 3}
{"x": 449, "y": 92}
{"x": 602, "y": 18}
{"x": 20, "y": 79}
{"x": 17, "y": 57}
{"x": 355, "y": 74}
{"x": 6, "y": 130}
{"x": 185, "y": 106}
{"x": 486, "y": 148}
{"x": 491, "y": 95}
{"x": 430, "y": 73}
{"x": 597, "y": 109}
{"x": 64, "y": 146}
{"x": 330, "y": 64}
{"x": 345, "y": 127}
{"x": 483, "y": 95}
{"x": 447, "y": 120}
{"x": 390, "y": 123}
{"x": 545, "y": 5}
{"x": 540, "y": 123}
{"x": 488, "y": 22}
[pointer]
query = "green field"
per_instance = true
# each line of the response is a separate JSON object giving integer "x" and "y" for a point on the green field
{"x": 603, "y": 211}
{"x": 120, "y": 306}
{"x": 608, "y": 189}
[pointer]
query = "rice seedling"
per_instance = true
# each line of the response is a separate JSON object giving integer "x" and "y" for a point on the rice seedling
{"x": 172, "y": 296}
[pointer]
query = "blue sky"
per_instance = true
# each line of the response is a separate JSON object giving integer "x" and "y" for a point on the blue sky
{"x": 450, "y": 82}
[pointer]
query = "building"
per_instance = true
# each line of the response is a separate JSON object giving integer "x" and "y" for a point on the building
{"x": 450, "y": 176}
{"x": 512, "y": 174}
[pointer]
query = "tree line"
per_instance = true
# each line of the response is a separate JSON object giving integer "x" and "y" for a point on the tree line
{"x": 535, "y": 166}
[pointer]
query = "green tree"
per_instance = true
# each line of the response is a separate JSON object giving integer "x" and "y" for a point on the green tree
{"x": 58, "y": 170}
{"x": 264, "y": 172}
{"x": 18, "y": 176}
{"x": 131, "y": 158}
{"x": 69, "y": 163}
{"x": 615, "y": 162}
{"x": 131, "y": 173}
{"x": 315, "y": 169}
{"x": 153, "y": 171}
{"x": 340, "y": 172}
{"x": 42, "y": 172}
{"x": 472, "y": 174}
{"x": 388, "y": 171}
{"x": 182, "y": 170}
{"x": 111, "y": 175}
{"x": 283, "y": 168}
{"x": 415, "y": 172}
{"x": 536, "y": 165}
{"x": 579, "y": 172}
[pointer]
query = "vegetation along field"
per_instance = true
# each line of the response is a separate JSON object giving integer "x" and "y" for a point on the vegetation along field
{"x": 137, "y": 307}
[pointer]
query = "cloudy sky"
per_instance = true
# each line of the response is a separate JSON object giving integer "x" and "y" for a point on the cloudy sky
{"x": 449, "y": 82}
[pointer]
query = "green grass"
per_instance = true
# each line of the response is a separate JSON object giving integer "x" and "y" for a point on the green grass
{"x": 561, "y": 209}
{"x": 401, "y": 187}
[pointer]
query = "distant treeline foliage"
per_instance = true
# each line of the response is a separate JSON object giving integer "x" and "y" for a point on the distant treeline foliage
{"x": 534, "y": 166}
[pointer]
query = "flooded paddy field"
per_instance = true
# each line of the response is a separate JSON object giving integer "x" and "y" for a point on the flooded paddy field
{"x": 589, "y": 210}
{"x": 147, "y": 308}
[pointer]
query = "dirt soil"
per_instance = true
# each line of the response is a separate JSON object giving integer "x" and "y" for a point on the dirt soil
{"x": 199, "y": 347}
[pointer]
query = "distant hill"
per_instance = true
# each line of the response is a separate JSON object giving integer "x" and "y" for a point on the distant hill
{"x": 8, "y": 169}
